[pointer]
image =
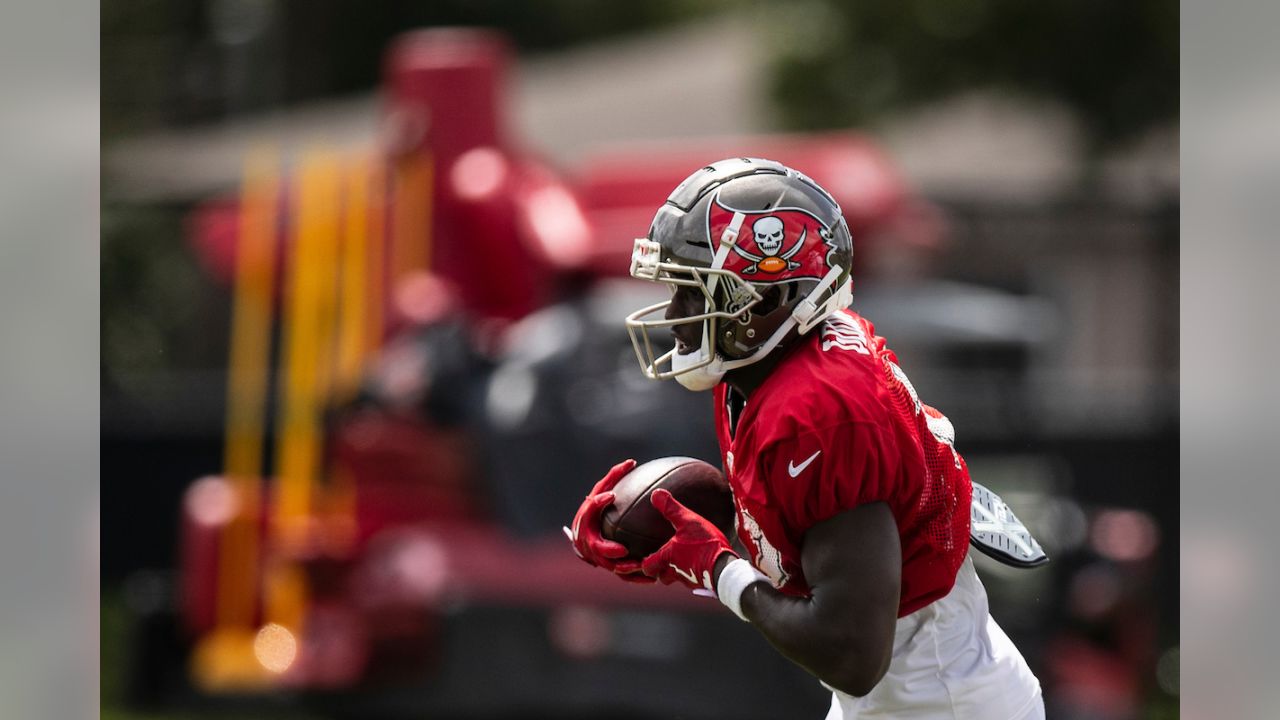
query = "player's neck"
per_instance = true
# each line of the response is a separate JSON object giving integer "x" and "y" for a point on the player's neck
{"x": 747, "y": 380}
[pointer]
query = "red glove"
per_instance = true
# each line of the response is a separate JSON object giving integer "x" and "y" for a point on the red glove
{"x": 690, "y": 556}
{"x": 585, "y": 536}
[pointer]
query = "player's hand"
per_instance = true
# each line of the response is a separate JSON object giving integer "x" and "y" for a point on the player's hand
{"x": 690, "y": 556}
{"x": 631, "y": 571}
{"x": 585, "y": 535}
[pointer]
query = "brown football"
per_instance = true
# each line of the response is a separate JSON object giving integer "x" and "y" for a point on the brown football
{"x": 633, "y": 521}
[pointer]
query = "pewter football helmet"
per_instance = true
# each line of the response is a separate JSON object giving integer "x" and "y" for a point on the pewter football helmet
{"x": 734, "y": 230}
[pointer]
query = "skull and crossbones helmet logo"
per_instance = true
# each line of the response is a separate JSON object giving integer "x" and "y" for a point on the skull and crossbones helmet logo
{"x": 768, "y": 232}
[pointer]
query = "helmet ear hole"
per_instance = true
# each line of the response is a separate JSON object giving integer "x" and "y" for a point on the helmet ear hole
{"x": 739, "y": 339}
{"x": 774, "y": 297}
{"x": 771, "y": 299}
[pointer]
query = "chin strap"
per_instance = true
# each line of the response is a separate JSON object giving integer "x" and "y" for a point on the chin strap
{"x": 728, "y": 239}
{"x": 806, "y": 313}
{"x": 700, "y": 377}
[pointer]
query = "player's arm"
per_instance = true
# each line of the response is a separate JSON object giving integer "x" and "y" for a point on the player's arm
{"x": 843, "y": 632}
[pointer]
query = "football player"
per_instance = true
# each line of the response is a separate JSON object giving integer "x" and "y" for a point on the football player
{"x": 853, "y": 506}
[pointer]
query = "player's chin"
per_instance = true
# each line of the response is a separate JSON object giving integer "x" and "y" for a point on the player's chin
{"x": 684, "y": 347}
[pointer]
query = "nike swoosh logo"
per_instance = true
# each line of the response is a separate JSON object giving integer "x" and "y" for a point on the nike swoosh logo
{"x": 686, "y": 574}
{"x": 794, "y": 470}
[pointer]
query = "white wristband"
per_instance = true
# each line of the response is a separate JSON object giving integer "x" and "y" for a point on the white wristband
{"x": 733, "y": 581}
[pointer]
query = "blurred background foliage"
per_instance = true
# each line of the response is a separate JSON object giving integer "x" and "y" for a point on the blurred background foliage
{"x": 843, "y": 64}
{"x": 157, "y": 302}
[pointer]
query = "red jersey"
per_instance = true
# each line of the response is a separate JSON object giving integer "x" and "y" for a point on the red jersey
{"x": 836, "y": 425}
